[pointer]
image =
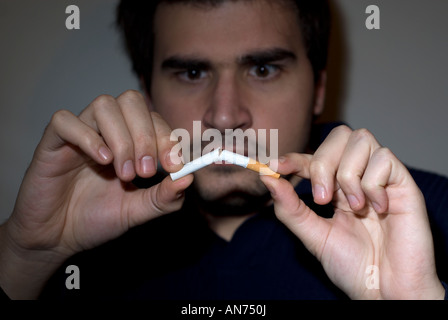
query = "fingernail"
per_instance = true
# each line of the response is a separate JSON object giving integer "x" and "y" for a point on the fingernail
{"x": 172, "y": 158}
{"x": 148, "y": 164}
{"x": 377, "y": 207}
{"x": 319, "y": 192}
{"x": 104, "y": 153}
{"x": 128, "y": 168}
{"x": 353, "y": 201}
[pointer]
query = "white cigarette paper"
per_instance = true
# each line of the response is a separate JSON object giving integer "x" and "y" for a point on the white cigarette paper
{"x": 197, "y": 164}
{"x": 228, "y": 157}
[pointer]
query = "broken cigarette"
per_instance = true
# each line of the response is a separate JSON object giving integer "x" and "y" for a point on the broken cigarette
{"x": 197, "y": 164}
{"x": 227, "y": 156}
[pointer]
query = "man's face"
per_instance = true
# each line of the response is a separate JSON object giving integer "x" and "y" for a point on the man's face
{"x": 240, "y": 65}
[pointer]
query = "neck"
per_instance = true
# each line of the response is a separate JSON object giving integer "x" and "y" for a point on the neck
{"x": 226, "y": 226}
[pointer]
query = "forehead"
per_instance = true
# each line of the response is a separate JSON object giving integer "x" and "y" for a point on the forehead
{"x": 227, "y": 30}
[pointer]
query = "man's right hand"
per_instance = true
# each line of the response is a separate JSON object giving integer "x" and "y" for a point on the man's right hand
{"x": 76, "y": 193}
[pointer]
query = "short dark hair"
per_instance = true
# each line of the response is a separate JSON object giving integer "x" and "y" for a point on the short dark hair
{"x": 136, "y": 19}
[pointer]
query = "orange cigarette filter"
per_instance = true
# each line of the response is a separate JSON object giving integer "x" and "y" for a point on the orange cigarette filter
{"x": 262, "y": 169}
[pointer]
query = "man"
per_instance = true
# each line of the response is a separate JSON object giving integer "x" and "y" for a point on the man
{"x": 230, "y": 65}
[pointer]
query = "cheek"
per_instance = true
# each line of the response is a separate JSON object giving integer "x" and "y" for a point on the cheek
{"x": 293, "y": 133}
{"x": 294, "y": 138}
{"x": 177, "y": 112}
{"x": 292, "y": 116}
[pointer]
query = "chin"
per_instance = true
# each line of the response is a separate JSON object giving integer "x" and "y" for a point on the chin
{"x": 229, "y": 190}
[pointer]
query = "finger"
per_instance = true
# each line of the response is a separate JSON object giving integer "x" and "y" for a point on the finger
{"x": 65, "y": 127}
{"x": 105, "y": 116}
{"x": 165, "y": 145}
{"x": 325, "y": 163}
{"x": 311, "y": 229}
{"x": 384, "y": 170}
{"x": 141, "y": 128}
{"x": 293, "y": 163}
{"x": 163, "y": 198}
{"x": 360, "y": 147}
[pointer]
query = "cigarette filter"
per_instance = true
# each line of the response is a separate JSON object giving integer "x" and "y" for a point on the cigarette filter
{"x": 248, "y": 163}
{"x": 228, "y": 157}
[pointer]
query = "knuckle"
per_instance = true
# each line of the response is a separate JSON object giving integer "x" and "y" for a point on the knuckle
{"x": 156, "y": 115}
{"x": 60, "y": 117}
{"x": 130, "y": 97}
{"x": 346, "y": 177}
{"x": 317, "y": 167}
{"x": 102, "y": 102}
{"x": 90, "y": 140}
{"x": 342, "y": 129}
{"x": 384, "y": 153}
{"x": 161, "y": 127}
{"x": 157, "y": 201}
{"x": 362, "y": 134}
{"x": 143, "y": 142}
{"x": 123, "y": 147}
{"x": 385, "y": 156}
{"x": 368, "y": 185}
{"x": 157, "y": 208}
{"x": 143, "y": 139}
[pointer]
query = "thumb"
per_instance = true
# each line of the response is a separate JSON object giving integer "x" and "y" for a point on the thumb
{"x": 311, "y": 229}
{"x": 165, "y": 197}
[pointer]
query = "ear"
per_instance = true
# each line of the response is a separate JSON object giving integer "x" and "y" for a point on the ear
{"x": 146, "y": 94}
{"x": 319, "y": 93}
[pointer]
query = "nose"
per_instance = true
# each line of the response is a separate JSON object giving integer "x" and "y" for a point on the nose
{"x": 227, "y": 108}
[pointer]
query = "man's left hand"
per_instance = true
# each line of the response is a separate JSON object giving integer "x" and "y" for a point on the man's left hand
{"x": 379, "y": 221}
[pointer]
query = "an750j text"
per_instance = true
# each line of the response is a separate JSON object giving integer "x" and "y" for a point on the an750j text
{"x": 234, "y": 309}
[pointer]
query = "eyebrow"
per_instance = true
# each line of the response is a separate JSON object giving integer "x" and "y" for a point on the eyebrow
{"x": 267, "y": 56}
{"x": 254, "y": 58}
{"x": 184, "y": 63}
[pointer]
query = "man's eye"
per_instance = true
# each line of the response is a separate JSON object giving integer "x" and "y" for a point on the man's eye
{"x": 265, "y": 71}
{"x": 192, "y": 75}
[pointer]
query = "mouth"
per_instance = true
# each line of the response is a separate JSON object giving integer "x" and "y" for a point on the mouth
{"x": 223, "y": 167}
{"x": 226, "y": 169}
